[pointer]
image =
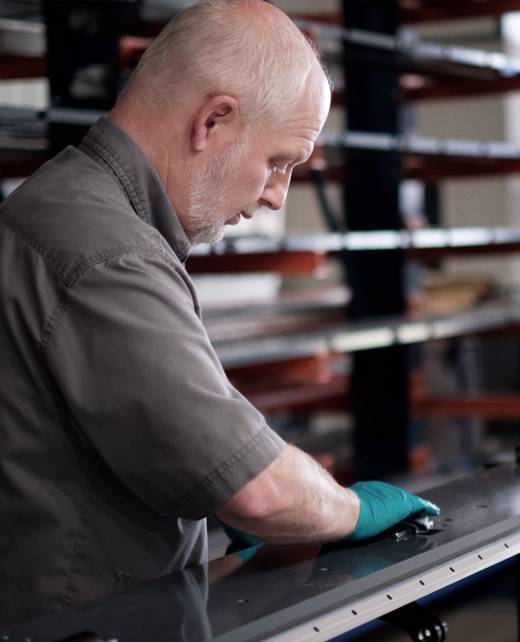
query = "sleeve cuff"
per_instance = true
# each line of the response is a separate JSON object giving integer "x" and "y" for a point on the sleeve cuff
{"x": 230, "y": 476}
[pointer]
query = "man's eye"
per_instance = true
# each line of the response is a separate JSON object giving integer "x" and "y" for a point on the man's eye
{"x": 280, "y": 169}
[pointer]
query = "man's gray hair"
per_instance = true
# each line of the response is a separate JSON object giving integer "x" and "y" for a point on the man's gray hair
{"x": 228, "y": 47}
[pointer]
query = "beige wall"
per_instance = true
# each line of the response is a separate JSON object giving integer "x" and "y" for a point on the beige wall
{"x": 479, "y": 201}
{"x": 483, "y": 200}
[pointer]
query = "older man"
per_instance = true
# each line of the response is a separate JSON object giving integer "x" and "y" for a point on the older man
{"x": 119, "y": 429}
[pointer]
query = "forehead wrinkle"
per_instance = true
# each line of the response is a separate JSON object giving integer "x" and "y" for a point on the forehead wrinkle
{"x": 308, "y": 120}
{"x": 303, "y": 128}
{"x": 303, "y": 121}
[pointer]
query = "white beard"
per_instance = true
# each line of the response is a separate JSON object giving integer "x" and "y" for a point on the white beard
{"x": 206, "y": 201}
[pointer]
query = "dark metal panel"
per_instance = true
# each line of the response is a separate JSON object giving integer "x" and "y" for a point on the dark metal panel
{"x": 257, "y": 593}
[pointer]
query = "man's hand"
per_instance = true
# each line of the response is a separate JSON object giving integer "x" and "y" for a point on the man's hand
{"x": 382, "y": 505}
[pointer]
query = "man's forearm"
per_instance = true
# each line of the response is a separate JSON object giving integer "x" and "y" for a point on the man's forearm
{"x": 293, "y": 500}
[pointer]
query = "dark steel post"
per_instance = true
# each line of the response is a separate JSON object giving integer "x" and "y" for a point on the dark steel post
{"x": 371, "y": 202}
{"x": 83, "y": 61}
{"x": 517, "y": 596}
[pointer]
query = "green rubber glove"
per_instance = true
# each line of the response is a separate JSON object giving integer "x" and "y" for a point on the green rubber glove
{"x": 382, "y": 505}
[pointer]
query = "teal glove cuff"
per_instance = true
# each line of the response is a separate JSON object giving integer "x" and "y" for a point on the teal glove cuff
{"x": 239, "y": 537}
{"x": 382, "y": 505}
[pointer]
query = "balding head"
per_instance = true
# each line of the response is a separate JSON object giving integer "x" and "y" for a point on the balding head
{"x": 244, "y": 48}
{"x": 227, "y": 100}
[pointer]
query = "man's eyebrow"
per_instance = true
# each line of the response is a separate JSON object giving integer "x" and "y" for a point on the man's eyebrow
{"x": 297, "y": 157}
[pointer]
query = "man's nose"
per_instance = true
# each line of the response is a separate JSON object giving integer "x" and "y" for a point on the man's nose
{"x": 275, "y": 194}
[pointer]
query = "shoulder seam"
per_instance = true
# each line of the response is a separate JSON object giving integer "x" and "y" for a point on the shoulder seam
{"x": 79, "y": 270}
{"x": 31, "y": 242}
{"x": 99, "y": 257}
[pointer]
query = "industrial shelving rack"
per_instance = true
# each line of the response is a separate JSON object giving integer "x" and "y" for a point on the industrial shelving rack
{"x": 376, "y": 61}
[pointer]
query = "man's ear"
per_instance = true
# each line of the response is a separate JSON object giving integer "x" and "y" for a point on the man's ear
{"x": 217, "y": 121}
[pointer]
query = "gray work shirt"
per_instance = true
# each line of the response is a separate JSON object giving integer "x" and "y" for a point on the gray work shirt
{"x": 119, "y": 430}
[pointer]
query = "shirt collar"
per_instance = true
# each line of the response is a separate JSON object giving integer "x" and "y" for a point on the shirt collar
{"x": 113, "y": 147}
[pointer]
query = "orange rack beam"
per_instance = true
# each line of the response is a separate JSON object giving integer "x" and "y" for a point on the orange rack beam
{"x": 14, "y": 67}
{"x": 484, "y": 406}
{"x": 288, "y": 263}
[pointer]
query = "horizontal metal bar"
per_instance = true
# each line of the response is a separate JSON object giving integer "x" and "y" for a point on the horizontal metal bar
{"x": 354, "y": 337}
{"x": 415, "y": 49}
{"x": 73, "y": 116}
{"x": 421, "y": 145}
{"x": 429, "y": 239}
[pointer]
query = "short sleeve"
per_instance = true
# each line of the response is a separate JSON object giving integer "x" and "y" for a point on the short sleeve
{"x": 143, "y": 384}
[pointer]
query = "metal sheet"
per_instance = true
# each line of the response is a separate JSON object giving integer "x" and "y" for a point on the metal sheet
{"x": 308, "y": 592}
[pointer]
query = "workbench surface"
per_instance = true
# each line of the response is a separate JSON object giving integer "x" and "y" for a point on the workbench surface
{"x": 308, "y": 592}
